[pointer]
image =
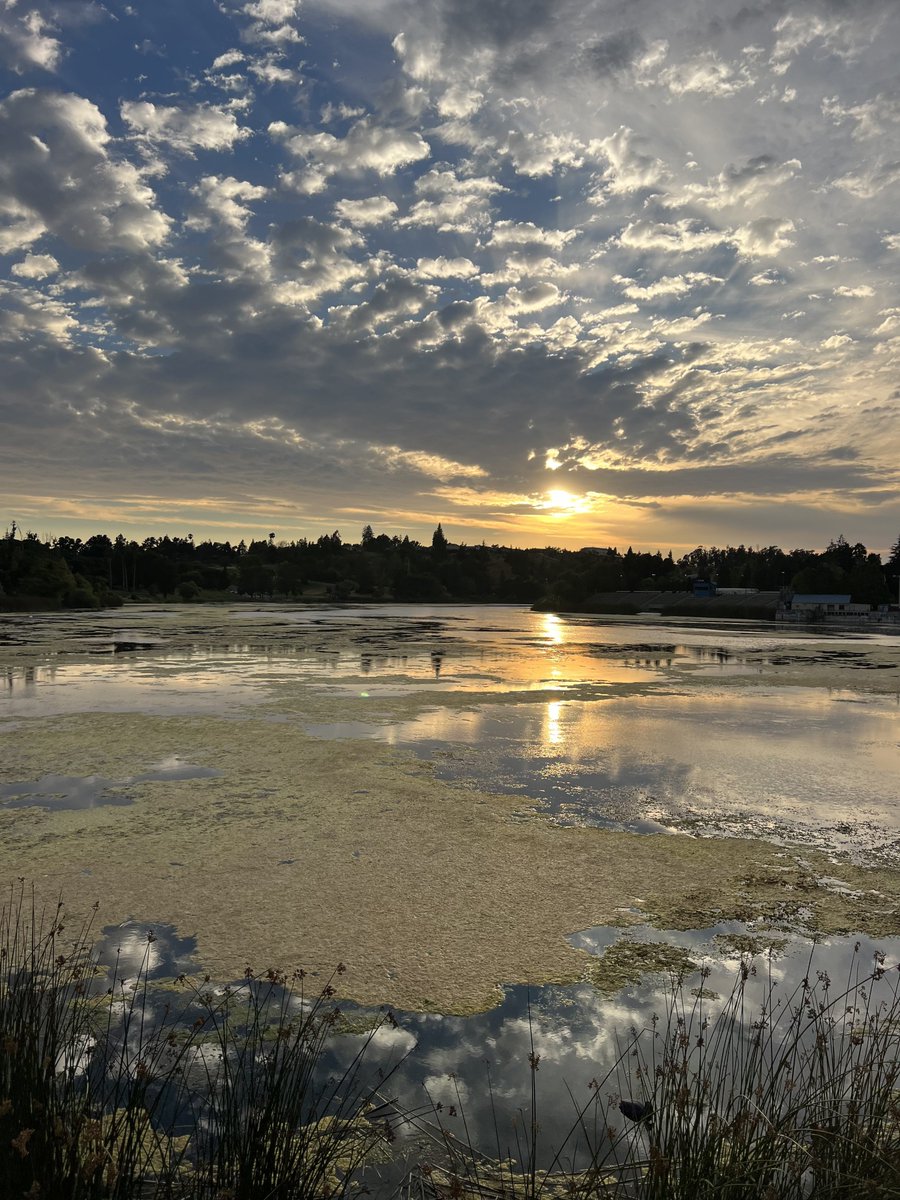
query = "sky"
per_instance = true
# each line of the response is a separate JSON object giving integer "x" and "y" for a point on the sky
{"x": 550, "y": 272}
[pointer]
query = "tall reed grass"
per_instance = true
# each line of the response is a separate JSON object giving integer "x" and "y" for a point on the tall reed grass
{"x": 114, "y": 1086}
{"x": 110, "y": 1088}
{"x": 797, "y": 1098}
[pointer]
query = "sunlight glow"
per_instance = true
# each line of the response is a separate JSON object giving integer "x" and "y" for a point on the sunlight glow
{"x": 560, "y": 503}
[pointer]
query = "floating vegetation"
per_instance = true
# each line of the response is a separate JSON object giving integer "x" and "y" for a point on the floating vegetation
{"x": 626, "y": 962}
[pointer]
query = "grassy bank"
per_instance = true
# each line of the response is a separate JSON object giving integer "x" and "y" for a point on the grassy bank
{"x": 116, "y": 1085}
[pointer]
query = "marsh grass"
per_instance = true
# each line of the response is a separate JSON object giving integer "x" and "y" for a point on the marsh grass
{"x": 117, "y": 1085}
{"x": 113, "y": 1088}
{"x": 793, "y": 1098}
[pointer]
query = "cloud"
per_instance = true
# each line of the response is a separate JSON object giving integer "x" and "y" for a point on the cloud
{"x": 676, "y": 237}
{"x": 526, "y": 233}
{"x": 223, "y": 202}
{"x": 614, "y": 53}
{"x": 451, "y": 203}
{"x": 366, "y": 146}
{"x": 35, "y": 266}
{"x": 744, "y": 184}
{"x": 763, "y": 237}
{"x": 667, "y": 285}
{"x": 428, "y": 245}
{"x": 433, "y": 465}
{"x": 532, "y": 299}
{"x": 26, "y": 40}
{"x": 630, "y": 169}
{"x": 871, "y": 117}
{"x": 854, "y": 293}
{"x": 795, "y": 31}
{"x": 184, "y": 129}
{"x": 869, "y": 182}
{"x": 706, "y": 75}
{"x": 446, "y": 268}
{"x": 768, "y": 278}
{"x": 271, "y": 22}
{"x": 374, "y": 210}
{"x": 58, "y": 174}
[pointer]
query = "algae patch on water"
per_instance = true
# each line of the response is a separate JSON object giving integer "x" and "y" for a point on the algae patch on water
{"x": 627, "y": 962}
{"x": 306, "y": 852}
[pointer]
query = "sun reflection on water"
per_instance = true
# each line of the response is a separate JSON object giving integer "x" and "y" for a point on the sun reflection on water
{"x": 553, "y": 734}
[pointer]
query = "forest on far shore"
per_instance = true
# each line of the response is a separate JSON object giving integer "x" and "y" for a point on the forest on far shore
{"x": 99, "y": 572}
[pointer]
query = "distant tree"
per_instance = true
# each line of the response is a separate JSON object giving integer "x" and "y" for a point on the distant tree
{"x": 843, "y": 555}
{"x": 438, "y": 541}
{"x": 368, "y": 537}
{"x": 867, "y": 582}
{"x": 822, "y": 578}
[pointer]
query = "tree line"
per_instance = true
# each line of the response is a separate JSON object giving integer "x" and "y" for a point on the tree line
{"x": 67, "y": 572}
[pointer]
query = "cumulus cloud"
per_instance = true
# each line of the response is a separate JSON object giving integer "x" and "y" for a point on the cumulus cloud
{"x": 272, "y": 22}
{"x": 29, "y": 316}
{"x": 763, "y": 237}
{"x": 795, "y": 31}
{"x": 373, "y": 210}
{"x": 35, "y": 266}
{"x": 451, "y": 212}
{"x": 871, "y": 118}
{"x": 743, "y": 184}
{"x": 667, "y": 285}
{"x": 526, "y": 233}
{"x": 706, "y": 75}
{"x": 855, "y": 293}
{"x": 59, "y": 174}
{"x": 451, "y": 203}
{"x": 630, "y": 168}
{"x": 27, "y": 39}
{"x": 446, "y": 268}
{"x": 675, "y": 237}
{"x": 869, "y": 181}
{"x": 186, "y": 128}
{"x": 223, "y": 201}
{"x": 836, "y": 342}
{"x": 366, "y": 146}
{"x": 768, "y": 278}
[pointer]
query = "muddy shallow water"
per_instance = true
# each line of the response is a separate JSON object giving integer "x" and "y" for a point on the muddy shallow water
{"x": 443, "y": 796}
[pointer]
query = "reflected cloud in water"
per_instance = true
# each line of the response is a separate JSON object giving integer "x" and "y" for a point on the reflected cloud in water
{"x": 93, "y": 791}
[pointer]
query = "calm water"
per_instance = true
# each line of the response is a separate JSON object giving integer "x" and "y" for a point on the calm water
{"x": 665, "y": 728}
{"x": 634, "y": 724}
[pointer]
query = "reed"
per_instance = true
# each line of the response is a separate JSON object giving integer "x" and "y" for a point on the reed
{"x": 110, "y": 1088}
{"x": 796, "y": 1098}
{"x": 115, "y": 1086}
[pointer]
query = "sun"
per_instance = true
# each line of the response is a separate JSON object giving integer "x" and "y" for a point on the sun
{"x": 561, "y": 503}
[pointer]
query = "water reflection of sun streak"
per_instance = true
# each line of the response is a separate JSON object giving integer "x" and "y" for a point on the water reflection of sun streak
{"x": 553, "y": 629}
{"x": 553, "y": 734}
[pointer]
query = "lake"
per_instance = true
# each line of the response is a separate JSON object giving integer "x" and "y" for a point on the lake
{"x": 484, "y": 812}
